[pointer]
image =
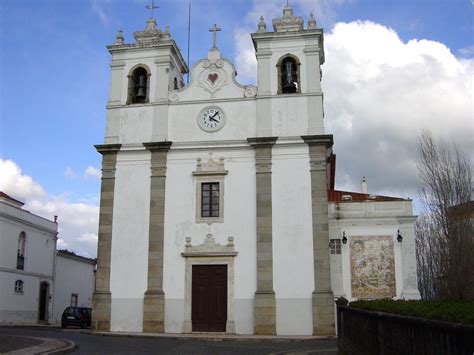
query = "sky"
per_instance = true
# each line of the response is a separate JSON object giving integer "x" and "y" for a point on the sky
{"x": 393, "y": 69}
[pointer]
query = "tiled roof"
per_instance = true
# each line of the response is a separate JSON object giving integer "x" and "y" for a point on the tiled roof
{"x": 4, "y": 195}
{"x": 347, "y": 196}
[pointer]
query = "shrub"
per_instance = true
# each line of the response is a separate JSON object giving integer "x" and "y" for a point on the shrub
{"x": 448, "y": 311}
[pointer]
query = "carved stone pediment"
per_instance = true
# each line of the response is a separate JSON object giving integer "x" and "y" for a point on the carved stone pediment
{"x": 150, "y": 34}
{"x": 288, "y": 22}
{"x": 211, "y": 167}
{"x": 209, "y": 247}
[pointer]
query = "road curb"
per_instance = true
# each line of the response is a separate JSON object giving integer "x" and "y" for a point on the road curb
{"x": 215, "y": 338}
{"x": 69, "y": 347}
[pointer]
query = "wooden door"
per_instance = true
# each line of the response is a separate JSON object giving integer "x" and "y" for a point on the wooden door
{"x": 43, "y": 302}
{"x": 209, "y": 298}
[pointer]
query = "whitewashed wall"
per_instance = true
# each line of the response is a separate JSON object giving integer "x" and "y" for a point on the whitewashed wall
{"x": 374, "y": 219}
{"x": 128, "y": 279}
{"x": 72, "y": 276}
{"x": 39, "y": 263}
{"x": 292, "y": 239}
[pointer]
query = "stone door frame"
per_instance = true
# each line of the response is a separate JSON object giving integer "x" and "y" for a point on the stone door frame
{"x": 209, "y": 253}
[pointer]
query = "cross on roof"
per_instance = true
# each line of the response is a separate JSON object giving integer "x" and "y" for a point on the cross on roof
{"x": 152, "y": 7}
{"x": 215, "y": 29}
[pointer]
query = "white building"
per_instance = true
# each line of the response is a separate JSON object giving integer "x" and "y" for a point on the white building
{"x": 372, "y": 246}
{"x": 74, "y": 282}
{"x": 36, "y": 283}
{"x": 214, "y": 200}
{"x": 27, "y": 253}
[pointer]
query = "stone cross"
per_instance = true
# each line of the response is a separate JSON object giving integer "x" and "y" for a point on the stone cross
{"x": 152, "y": 7}
{"x": 215, "y": 29}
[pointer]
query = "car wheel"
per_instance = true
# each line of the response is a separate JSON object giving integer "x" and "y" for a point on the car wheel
{"x": 63, "y": 325}
{"x": 83, "y": 325}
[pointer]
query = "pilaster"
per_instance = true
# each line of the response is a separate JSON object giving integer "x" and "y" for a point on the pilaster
{"x": 323, "y": 298}
{"x": 101, "y": 300}
{"x": 154, "y": 298}
{"x": 264, "y": 303}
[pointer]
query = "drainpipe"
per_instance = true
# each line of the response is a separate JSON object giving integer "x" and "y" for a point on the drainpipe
{"x": 53, "y": 288}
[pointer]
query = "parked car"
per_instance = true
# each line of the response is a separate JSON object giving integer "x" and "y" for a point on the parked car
{"x": 76, "y": 316}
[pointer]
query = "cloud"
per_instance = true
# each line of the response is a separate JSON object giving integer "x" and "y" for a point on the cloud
{"x": 246, "y": 62}
{"x": 468, "y": 51}
{"x": 69, "y": 173}
{"x": 11, "y": 179}
{"x": 77, "y": 221}
{"x": 92, "y": 172}
{"x": 98, "y": 7}
{"x": 380, "y": 93}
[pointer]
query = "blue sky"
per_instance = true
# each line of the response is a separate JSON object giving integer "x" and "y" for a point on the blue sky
{"x": 55, "y": 78}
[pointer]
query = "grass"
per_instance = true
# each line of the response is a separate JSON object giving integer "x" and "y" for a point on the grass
{"x": 448, "y": 311}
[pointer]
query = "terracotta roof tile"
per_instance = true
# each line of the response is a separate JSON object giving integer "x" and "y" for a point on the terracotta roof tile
{"x": 4, "y": 195}
{"x": 337, "y": 196}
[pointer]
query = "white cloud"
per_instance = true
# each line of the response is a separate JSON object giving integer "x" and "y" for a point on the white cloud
{"x": 468, "y": 51}
{"x": 246, "y": 63}
{"x": 92, "y": 172}
{"x": 380, "y": 93}
{"x": 98, "y": 7}
{"x": 77, "y": 222}
{"x": 69, "y": 173}
{"x": 11, "y": 179}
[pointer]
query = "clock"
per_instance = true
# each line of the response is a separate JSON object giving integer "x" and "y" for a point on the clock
{"x": 211, "y": 119}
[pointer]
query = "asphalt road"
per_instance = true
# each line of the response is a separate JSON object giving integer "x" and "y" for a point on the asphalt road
{"x": 95, "y": 344}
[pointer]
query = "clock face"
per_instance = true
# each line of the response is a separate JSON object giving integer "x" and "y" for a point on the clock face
{"x": 211, "y": 119}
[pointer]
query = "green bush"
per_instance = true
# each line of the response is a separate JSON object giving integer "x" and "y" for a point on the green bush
{"x": 448, "y": 311}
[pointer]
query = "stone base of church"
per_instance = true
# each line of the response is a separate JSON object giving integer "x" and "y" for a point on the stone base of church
{"x": 265, "y": 313}
{"x": 154, "y": 312}
{"x": 101, "y": 304}
{"x": 323, "y": 313}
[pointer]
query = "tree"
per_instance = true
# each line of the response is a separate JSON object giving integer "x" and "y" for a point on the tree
{"x": 444, "y": 237}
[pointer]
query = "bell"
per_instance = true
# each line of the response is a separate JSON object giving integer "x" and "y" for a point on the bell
{"x": 288, "y": 78}
{"x": 141, "y": 92}
{"x": 141, "y": 89}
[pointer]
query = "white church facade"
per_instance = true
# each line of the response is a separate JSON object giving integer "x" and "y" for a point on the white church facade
{"x": 214, "y": 210}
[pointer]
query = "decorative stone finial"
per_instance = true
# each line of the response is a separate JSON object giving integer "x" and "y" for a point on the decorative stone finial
{"x": 119, "y": 40}
{"x": 166, "y": 35}
{"x": 311, "y": 21}
{"x": 262, "y": 26}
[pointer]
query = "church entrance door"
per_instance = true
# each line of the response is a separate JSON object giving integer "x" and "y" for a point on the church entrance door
{"x": 209, "y": 298}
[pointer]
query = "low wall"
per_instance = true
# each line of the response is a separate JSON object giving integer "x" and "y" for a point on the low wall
{"x": 367, "y": 332}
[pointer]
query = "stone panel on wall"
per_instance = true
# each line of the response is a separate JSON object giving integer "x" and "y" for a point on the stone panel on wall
{"x": 372, "y": 267}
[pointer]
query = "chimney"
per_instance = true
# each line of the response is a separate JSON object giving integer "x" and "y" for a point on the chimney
{"x": 363, "y": 185}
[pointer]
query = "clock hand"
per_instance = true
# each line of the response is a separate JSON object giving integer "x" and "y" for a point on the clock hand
{"x": 213, "y": 119}
{"x": 214, "y": 115}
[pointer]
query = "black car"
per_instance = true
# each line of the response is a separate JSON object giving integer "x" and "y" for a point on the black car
{"x": 76, "y": 316}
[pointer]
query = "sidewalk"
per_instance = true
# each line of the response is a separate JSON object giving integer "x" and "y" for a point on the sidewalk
{"x": 21, "y": 345}
{"x": 215, "y": 336}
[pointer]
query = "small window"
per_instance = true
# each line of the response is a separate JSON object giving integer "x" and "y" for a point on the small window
{"x": 210, "y": 199}
{"x": 74, "y": 298}
{"x": 175, "y": 82}
{"x": 288, "y": 75}
{"x": 138, "y": 86}
{"x": 20, "y": 256}
{"x": 335, "y": 246}
{"x": 18, "y": 286}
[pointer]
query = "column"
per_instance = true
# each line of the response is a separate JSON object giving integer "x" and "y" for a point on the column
{"x": 101, "y": 299}
{"x": 154, "y": 298}
{"x": 264, "y": 303}
{"x": 323, "y": 298}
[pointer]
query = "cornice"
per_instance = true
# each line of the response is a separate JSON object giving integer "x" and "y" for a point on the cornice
{"x": 26, "y": 273}
{"x": 8, "y": 217}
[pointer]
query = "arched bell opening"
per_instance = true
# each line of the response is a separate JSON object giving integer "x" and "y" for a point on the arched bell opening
{"x": 289, "y": 75}
{"x": 138, "y": 85}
